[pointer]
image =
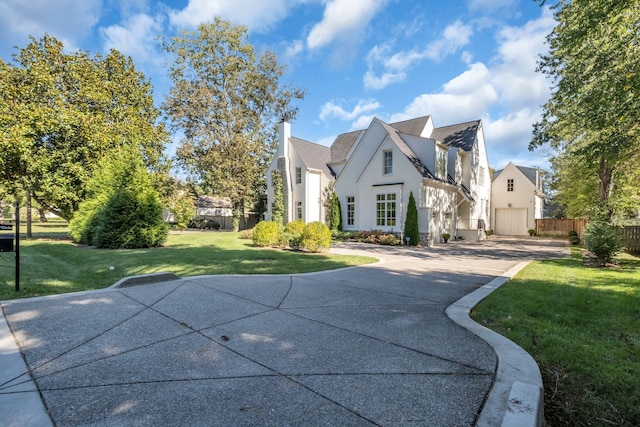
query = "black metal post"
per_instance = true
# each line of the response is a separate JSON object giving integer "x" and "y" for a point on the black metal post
{"x": 17, "y": 249}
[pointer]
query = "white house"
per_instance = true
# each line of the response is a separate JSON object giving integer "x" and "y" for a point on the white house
{"x": 303, "y": 167}
{"x": 517, "y": 199}
{"x": 376, "y": 169}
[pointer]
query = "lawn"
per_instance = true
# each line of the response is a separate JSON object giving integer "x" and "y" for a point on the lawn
{"x": 51, "y": 264}
{"x": 582, "y": 325}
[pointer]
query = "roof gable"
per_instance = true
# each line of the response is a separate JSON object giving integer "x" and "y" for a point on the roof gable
{"x": 314, "y": 156}
{"x": 461, "y": 135}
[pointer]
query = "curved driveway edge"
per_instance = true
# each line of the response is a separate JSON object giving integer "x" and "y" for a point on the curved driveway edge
{"x": 516, "y": 397}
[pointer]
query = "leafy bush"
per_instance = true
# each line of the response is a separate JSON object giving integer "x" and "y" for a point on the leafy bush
{"x": 602, "y": 240}
{"x": 266, "y": 233}
{"x": 575, "y": 240}
{"x": 573, "y": 233}
{"x": 316, "y": 237}
{"x": 246, "y": 234}
{"x": 295, "y": 227}
{"x": 389, "y": 240}
{"x": 122, "y": 210}
{"x": 204, "y": 224}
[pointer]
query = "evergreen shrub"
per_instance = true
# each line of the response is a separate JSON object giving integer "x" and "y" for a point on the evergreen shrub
{"x": 316, "y": 237}
{"x": 266, "y": 233}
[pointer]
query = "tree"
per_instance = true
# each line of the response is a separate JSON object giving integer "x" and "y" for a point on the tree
{"x": 277, "y": 209}
{"x": 184, "y": 209}
{"x": 227, "y": 101}
{"x": 593, "y": 116}
{"x": 411, "y": 229}
{"x": 122, "y": 210}
{"x": 336, "y": 214}
{"x": 64, "y": 112}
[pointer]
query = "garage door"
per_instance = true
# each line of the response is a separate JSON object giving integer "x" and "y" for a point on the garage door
{"x": 511, "y": 222}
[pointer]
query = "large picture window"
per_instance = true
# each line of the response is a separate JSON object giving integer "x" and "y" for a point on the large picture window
{"x": 386, "y": 210}
{"x": 351, "y": 210}
{"x": 387, "y": 162}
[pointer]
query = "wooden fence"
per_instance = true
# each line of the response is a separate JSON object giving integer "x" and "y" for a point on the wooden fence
{"x": 631, "y": 238}
{"x": 559, "y": 227}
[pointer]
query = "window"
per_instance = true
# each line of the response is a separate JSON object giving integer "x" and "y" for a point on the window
{"x": 298, "y": 210}
{"x": 441, "y": 163}
{"x": 480, "y": 175}
{"x": 298, "y": 175}
{"x": 387, "y": 162}
{"x": 386, "y": 209}
{"x": 351, "y": 210}
{"x": 510, "y": 185}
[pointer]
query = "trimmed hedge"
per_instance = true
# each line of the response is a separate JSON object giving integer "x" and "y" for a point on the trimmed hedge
{"x": 315, "y": 237}
{"x": 266, "y": 233}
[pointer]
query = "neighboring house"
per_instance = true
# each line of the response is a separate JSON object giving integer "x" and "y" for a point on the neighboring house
{"x": 376, "y": 169}
{"x": 517, "y": 200}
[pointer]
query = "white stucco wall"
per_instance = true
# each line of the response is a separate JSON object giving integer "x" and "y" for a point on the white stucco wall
{"x": 522, "y": 197}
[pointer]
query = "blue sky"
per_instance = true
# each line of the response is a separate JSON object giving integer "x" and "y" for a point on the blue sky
{"x": 455, "y": 60}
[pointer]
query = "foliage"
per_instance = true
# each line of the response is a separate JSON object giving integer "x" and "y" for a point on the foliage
{"x": 580, "y": 324}
{"x": 266, "y": 233}
{"x": 592, "y": 117}
{"x": 446, "y": 237}
{"x": 122, "y": 210}
{"x": 389, "y": 240}
{"x": 204, "y": 224}
{"x": 184, "y": 209}
{"x": 295, "y": 227}
{"x": 277, "y": 209}
{"x": 64, "y": 112}
{"x": 336, "y": 213}
{"x": 602, "y": 240}
{"x": 315, "y": 237}
{"x": 246, "y": 234}
{"x": 411, "y": 229}
{"x": 227, "y": 100}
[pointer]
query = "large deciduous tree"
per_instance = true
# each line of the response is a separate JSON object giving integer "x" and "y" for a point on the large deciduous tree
{"x": 593, "y": 116}
{"x": 63, "y": 112}
{"x": 226, "y": 100}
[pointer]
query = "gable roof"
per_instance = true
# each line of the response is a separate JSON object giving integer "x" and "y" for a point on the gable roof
{"x": 407, "y": 151}
{"x": 461, "y": 135}
{"x": 344, "y": 141}
{"x": 529, "y": 173}
{"x": 314, "y": 156}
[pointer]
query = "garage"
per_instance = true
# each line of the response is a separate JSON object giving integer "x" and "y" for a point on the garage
{"x": 511, "y": 222}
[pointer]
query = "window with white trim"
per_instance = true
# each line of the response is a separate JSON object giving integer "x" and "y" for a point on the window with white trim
{"x": 298, "y": 210}
{"x": 351, "y": 210}
{"x": 387, "y": 162}
{"x": 298, "y": 175}
{"x": 386, "y": 210}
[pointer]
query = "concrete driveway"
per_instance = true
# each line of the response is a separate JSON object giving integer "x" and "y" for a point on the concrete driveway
{"x": 370, "y": 345}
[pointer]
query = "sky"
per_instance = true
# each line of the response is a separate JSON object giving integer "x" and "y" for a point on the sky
{"x": 456, "y": 60}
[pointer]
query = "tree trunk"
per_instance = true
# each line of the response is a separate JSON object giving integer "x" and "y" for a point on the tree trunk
{"x": 605, "y": 175}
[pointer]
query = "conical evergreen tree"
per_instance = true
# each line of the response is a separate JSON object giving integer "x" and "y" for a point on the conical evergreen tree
{"x": 411, "y": 229}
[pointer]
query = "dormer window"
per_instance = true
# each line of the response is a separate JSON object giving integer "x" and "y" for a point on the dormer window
{"x": 387, "y": 162}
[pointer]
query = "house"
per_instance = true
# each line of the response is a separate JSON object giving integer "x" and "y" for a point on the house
{"x": 517, "y": 200}
{"x": 375, "y": 169}
{"x": 305, "y": 175}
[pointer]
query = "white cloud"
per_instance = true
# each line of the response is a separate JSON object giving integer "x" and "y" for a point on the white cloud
{"x": 331, "y": 109}
{"x": 506, "y": 95}
{"x": 395, "y": 66}
{"x": 67, "y": 20}
{"x": 135, "y": 38}
{"x": 343, "y": 20}
{"x": 293, "y": 49}
{"x": 255, "y": 15}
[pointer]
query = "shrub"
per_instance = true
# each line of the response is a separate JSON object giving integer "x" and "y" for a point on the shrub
{"x": 531, "y": 231}
{"x": 389, "y": 240}
{"x": 316, "y": 237}
{"x": 575, "y": 240}
{"x": 573, "y": 233}
{"x": 602, "y": 240}
{"x": 411, "y": 229}
{"x": 295, "y": 227}
{"x": 265, "y": 233}
{"x": 122, "y": 209}
{"x": 246, "y": 234}
{"x": 336, "y": 213}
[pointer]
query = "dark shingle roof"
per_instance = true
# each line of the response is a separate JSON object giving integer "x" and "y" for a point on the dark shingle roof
{"x": 461, "y": 135}
{"x": 314, "y": 156}
{"x": 411, "y": 127}
{"x": 342, "y": 145}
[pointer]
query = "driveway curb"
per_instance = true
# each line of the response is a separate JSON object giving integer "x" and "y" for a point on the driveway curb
{"x": 516, "y": 397}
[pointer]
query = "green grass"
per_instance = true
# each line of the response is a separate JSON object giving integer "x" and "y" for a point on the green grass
{"x": 582, "y": 325}
{"x": 51, "y": 264}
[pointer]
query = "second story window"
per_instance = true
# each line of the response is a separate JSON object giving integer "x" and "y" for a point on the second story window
{"x": 387, "y": 162}
{"x": 298, "y": 175}
{"x": 510, "y": 185}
